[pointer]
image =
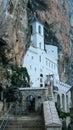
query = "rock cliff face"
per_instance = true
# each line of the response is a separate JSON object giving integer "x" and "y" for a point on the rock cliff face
{"x": 70, "y": 65}
{"x": 14, "y": 30}
{"x": 55, "y": 16}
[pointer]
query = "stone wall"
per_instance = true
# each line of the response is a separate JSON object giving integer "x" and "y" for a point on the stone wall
{"x": 51, "y": 119}
{"x": 40, "y": 95}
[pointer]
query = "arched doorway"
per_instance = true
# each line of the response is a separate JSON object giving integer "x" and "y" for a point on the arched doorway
{"x": 63, "y": 102}
{"x": 30, "y": 103}
{"x": 58, "y": 101}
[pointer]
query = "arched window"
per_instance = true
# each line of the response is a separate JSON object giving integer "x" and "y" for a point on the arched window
{"x": 41, "y": 80}
{"x": 39, "y": 29}
{"x": 63, "y": 102}
{"x": 58, "y": 101}
{"x": 40, "y": 45}
{"x": 41, "y": 85}
{"x": 41, "y": 75}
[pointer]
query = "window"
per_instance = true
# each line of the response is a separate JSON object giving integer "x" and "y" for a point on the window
{"x": 32, "y": 57}
{"x": 41, "y": 85}
{"x": 52, "y": 50}
{"x": 41, "y": 80}
{"x": 40, "y": 58}
{"x": 49, "y": 63}
{"x": 40, "y": 70}
{"x": 40, "y": 45}
{"x": 46, "y": 62}
{"x": 39, "y": 28}
{"x": 31, "y": 29}
{"x": 35, "y": 69}
{"x": 41, "y": 75}
{"x": 30, "y": 66}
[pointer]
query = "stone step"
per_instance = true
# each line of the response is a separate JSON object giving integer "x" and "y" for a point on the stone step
{"x": 24, "y": 128}
{"x": 25, "y": 123}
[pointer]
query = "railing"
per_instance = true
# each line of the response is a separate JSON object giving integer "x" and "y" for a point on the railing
{"x": 61, "y": 83}
{"x": 5, "y": 118}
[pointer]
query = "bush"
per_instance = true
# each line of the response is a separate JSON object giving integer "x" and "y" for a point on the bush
{"x": 20, "y": 77}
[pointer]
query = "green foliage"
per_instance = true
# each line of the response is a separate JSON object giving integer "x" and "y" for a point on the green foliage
{"x": 3, "y": 57}
{"x": 12, "y": 94}
{"x": 61, "y": 113}
{"x": 20, "y": 77}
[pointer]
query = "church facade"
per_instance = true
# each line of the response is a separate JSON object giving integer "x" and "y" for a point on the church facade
{"x": 41, "y": 61}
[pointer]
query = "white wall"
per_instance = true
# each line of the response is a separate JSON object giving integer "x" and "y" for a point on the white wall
{"x": 71, "y": 20}
{"x": 63, "y": 90}
{"x": 52, "y": 51}
{"x": 46, "y": 65}
{"x": 42, "y": 62}
{"x": 36, "y": 67}
{"x": 37, "y": 37}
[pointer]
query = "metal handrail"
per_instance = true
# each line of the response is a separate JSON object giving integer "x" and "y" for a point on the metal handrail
{"x": 5, "y": 118}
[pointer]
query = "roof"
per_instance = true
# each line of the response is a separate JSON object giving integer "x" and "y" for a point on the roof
{"x": 70, "y": 89}
{"x": 2, "y": 42}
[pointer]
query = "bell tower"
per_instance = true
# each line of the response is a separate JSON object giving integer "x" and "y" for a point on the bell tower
{"x": 37, "y": 36}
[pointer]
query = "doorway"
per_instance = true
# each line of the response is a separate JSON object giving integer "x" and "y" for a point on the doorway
{"x": 31, "y": 103}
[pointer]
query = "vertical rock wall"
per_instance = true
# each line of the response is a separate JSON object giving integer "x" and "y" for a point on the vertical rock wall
{"x": 55, "y": 16}
{"x": 14, "y": 30}
{"x": 70, "y": 65}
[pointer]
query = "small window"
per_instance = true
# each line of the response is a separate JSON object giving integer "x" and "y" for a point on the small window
{"x": 40, "y": 58}
{"x": 40, "y": 45}
{"x": 41, "y": 75}
{"x": 31, "y": 28}
{"x": 30, "y": 66}
{"x": 39, "y": 29}
{"x": 32, "y": 57}
{"x": 49, "y": 63}
{"x": 40, "y": 70}
{"x": 41, "y": 80}
{"x": 46, "y": 62}
{"x": 41, "y": 85}
{"x": 35, "y": 69}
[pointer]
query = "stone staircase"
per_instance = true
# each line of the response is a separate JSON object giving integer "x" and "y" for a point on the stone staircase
{"x": 51, "y": 117}
{"x": 30, "y": 122}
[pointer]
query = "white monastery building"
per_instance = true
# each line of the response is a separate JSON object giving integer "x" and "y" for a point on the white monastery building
{"x": 41, "y": 61}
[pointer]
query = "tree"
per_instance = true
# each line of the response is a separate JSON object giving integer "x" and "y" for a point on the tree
{"x": 20, "y": 77}
{"x": 12, "y": 94}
